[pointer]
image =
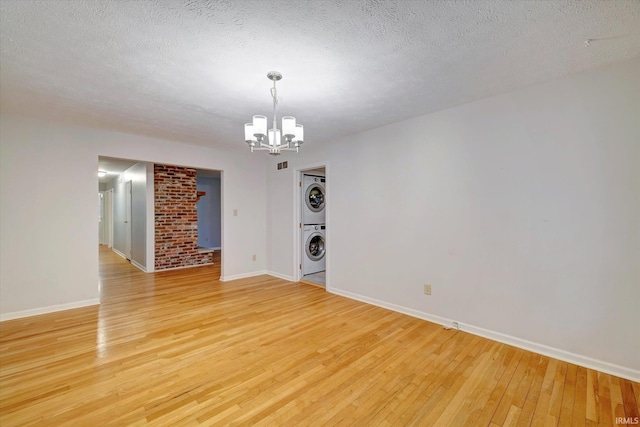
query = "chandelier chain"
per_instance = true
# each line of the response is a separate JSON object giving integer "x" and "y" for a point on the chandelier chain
{"x": 274, "y": 95}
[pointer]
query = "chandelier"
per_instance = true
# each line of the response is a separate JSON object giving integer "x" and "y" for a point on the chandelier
{"x": 275, "y": 141}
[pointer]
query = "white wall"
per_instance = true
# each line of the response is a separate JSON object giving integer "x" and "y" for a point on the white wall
{"x": 522, "y": 211}
{"x": 48, "y": 219}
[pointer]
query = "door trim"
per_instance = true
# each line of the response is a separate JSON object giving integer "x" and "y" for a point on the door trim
{"x": 297, "y": 243}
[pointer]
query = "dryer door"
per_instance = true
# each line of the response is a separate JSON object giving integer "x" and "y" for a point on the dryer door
{"x": 315, "y": 247}
{"x": 314, "y": 197}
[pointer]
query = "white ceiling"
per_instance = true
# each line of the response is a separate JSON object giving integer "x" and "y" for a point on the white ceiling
{"x": 195, "y": 71}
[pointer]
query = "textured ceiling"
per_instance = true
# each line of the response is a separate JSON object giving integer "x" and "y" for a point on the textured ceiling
{"x": 195, "y": 71}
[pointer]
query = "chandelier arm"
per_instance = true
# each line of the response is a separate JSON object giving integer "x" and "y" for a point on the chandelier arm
{"x": 283, "y": 145}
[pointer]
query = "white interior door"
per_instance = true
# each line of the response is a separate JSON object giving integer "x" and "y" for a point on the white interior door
{"x": 101, "y": 227}
{"x": 108, "y": 217}
{"x": 127, "y": 220}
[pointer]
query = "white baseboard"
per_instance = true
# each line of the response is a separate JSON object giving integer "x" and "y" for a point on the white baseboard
{"x": 256, "y": 273}
{"x": 242, "y": 276}
{"x": 281, "y": 276}
{"x": 556, "y": 353}
{"x": 180, "y": 267}
{"x": 140, "y": 266}
{"x": 135, "y": 263}
{"x": 119, "y": 253}
{"x": 49, "y": 309}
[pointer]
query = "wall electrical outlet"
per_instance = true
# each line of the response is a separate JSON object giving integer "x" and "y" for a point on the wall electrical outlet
{"x": 455, "y": 325}
{"x": 427, "y": 289}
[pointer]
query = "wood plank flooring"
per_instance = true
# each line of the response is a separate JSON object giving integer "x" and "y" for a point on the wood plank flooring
{"x": 182, "y": 348}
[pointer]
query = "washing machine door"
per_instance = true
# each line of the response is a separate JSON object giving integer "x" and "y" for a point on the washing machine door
{"x": 314, "y": 197}
{"x": 315, "y": 247}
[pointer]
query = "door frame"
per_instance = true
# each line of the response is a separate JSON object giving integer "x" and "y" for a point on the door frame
{"x": 150, "y": 210}
{"x": 102, "y": 238}
{"x": 297, "y": 215}
{"x": 108, "y": 216}
{"x": 128, "y": 189}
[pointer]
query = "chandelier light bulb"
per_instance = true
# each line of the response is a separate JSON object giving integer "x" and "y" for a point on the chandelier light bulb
{"x": 299, "y": 134}
{"x": 260, "y": 126}
{"x": 274, "y": 137}
{"x": 249, "y": 137}
{"x": 289, "y": 127}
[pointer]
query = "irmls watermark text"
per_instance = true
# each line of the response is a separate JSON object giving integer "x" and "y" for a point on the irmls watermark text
{"x": 628, "y": 420}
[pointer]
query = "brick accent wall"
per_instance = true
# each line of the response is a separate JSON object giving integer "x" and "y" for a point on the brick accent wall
{"x": 176, "y": 218}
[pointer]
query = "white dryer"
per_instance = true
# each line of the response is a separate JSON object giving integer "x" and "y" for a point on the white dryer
{"x": 313, "y": 238}
{"x": 313, "y": 195}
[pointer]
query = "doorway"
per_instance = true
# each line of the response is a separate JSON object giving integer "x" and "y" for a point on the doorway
{"x": 312, "y": 225}
{"x": 209, "y": 206}
{"x": 127, "y": 189}
{"x": 105, "y": 221}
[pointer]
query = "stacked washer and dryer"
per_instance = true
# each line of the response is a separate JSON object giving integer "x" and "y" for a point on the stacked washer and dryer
{"x": 313, "y": 224}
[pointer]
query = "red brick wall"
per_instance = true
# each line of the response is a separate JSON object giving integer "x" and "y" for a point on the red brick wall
{"x": 176, "y": 218}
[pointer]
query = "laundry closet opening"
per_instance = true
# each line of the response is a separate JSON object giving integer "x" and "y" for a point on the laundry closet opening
{"x": 313, "y": 226}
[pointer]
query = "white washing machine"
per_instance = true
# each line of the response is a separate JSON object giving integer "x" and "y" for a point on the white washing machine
{"x": 314, "y": 259}
{"x": 313, "y": 205}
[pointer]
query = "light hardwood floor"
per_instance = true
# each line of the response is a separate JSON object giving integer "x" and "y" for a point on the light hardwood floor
{"x": 183, "y": 348}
